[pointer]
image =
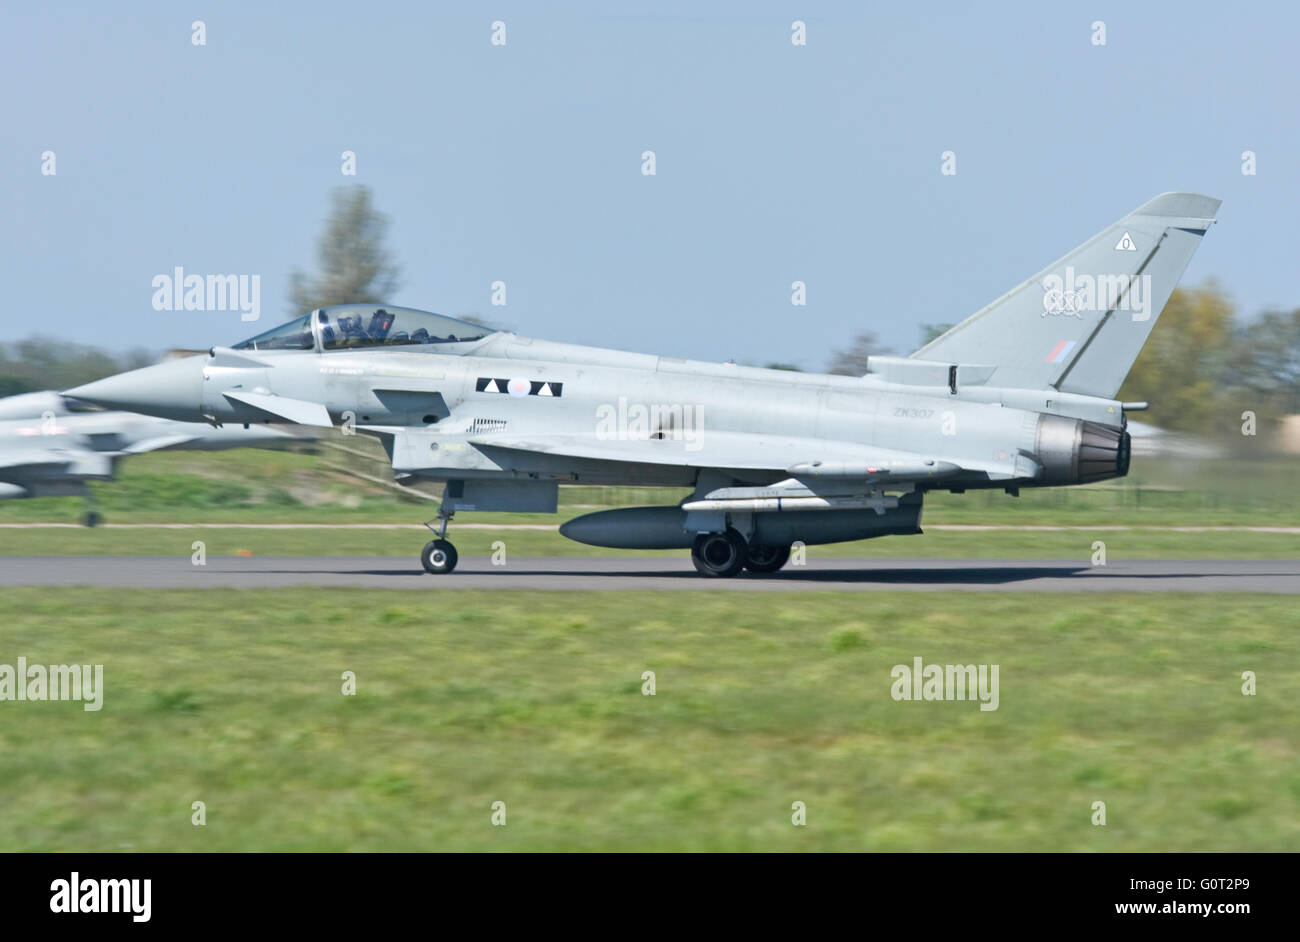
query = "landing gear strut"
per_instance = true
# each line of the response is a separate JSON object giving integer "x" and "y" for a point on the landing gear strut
{"x": 92, "y": 517}
{"x": 439, "y": 556}
{"x": 719, "y": 555}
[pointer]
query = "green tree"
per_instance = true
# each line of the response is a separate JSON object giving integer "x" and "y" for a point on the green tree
{"x": 13, "y": 385}
{"x": 53, "y": 363}
{"x": 1264, "y": 361}
{"x": 852, "y": 360}
{"x": 933, "y": 332}
{"x": 355, "y": 264}
{"x": 1181, "y": 369}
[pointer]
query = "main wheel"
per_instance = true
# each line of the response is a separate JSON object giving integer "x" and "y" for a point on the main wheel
{"x": 767, "y": 558}
{"x": 438, "y": 557}
{"x": 719, "y": 555}
{"x": 92, "y": 519}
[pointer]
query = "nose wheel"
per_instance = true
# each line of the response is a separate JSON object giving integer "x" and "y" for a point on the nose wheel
{"x": 439, "y": 556}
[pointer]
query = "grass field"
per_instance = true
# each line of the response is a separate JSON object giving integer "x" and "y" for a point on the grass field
{"x": 534, "y": 699}
{"x": 252, "y": 485}
{"x": 285, "y": 487}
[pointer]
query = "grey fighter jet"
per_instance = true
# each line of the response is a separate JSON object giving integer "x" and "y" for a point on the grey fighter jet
{"x": 1020, "y": 394}
{"x": 51, "y": 444}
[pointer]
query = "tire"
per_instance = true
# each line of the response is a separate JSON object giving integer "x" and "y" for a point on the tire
{"x": 92, "y": 519}
{"x": 767, "y": 558}
{"x": 438, "y": 557}
{"x": 719, "y": 555}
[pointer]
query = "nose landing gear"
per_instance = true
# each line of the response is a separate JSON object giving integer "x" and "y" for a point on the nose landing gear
{"x": 92, "y": 517}
{"x": 439, "y": 556}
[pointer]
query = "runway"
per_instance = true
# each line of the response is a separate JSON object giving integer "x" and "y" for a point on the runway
{"x": 657, "y": 574}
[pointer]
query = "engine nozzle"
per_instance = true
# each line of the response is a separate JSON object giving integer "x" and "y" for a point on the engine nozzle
{"x": 1073, "y": 451}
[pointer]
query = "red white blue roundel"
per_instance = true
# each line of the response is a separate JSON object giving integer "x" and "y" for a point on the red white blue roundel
{"x": 519, "y": 386}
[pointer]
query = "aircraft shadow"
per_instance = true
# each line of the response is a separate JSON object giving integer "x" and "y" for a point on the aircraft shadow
{"x": 988, "y": 575}
{"x": 998, "y": 575}
{"x": 969, "y": 575}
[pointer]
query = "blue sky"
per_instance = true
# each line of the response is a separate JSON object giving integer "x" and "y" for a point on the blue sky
{"x": 522, "y": 163}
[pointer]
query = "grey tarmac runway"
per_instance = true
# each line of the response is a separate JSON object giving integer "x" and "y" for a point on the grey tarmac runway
{"x": 657, "y": 573}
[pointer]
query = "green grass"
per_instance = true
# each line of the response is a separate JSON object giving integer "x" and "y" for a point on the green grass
{"x": 269, "y": 487}
{"x": 258, "y": 485}
{"x": 534, "y": 699}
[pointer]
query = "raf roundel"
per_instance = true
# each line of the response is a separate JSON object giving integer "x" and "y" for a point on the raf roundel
{"x": 518, "y": 386}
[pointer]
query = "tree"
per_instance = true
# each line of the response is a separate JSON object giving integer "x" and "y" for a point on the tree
{"x": 1181, "y": 370}
{"x": 482, "y": 322}
{"x": 852, "y": 361}
{"x": 1264, "y": 360}
{"x": 53, "y": 363}
{"x": 13, "y": 385}
{"x": 933, "y": 332}
{"x": 355, "y": 265}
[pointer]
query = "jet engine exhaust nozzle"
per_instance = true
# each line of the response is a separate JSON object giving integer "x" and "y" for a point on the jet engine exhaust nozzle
{"x": 1073, "y": 451}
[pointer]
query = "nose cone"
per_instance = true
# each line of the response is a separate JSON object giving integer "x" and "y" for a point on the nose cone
{"x": 172, "y": 389}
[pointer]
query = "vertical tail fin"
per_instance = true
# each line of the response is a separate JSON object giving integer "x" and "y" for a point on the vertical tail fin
{"x": 1079, "y": 324}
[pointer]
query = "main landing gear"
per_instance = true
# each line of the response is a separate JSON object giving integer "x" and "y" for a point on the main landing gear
{"x": 439, "y": 556}
{"x": 764, "y": 559}
{"x": 723, "y": 555}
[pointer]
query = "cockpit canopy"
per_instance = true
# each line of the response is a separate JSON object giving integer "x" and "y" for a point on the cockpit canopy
{"x": 294, "y": 335}
{"x": 351, "y": 326}
{"x": 369, "y": 325}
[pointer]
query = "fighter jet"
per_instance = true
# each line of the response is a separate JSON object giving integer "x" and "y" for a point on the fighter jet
{"x": 1020, "y": 394}
{"x": 51, "y": 444}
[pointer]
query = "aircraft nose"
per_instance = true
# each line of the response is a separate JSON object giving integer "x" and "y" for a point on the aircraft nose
{"x": 172, "y": 389}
